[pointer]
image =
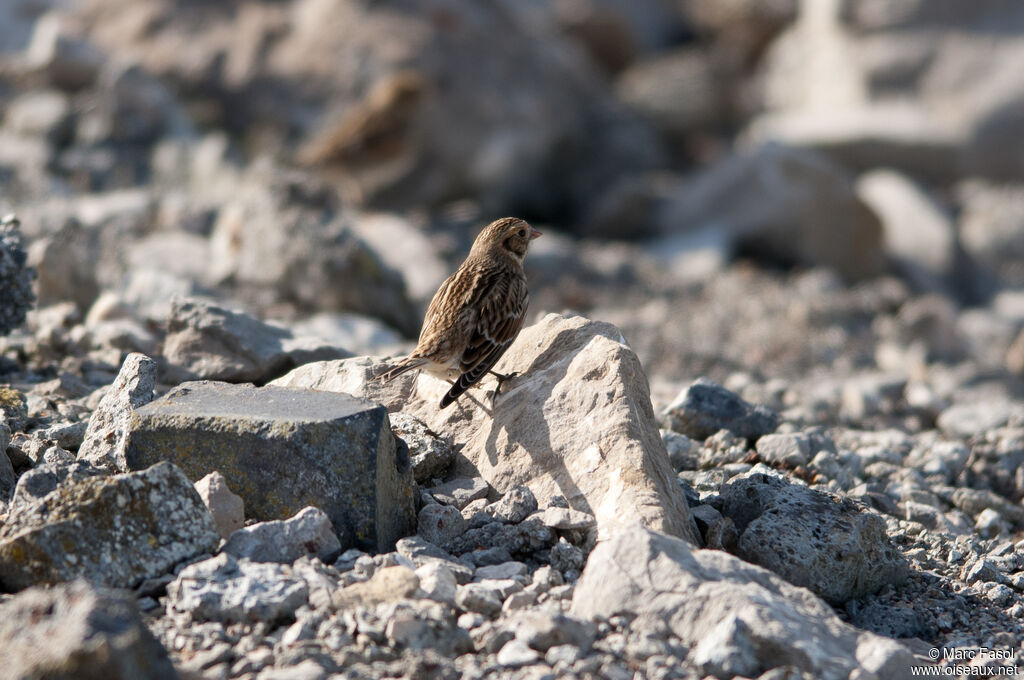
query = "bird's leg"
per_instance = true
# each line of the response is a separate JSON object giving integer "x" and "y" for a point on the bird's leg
{"x": 502, "y": 377}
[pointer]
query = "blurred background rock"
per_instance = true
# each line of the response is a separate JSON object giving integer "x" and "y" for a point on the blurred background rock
{"x": 769, "y": 193}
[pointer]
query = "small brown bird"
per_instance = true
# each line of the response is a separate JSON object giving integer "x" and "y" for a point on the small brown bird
{"x": 477, "y": 312}
{"x": 374, "y": 130}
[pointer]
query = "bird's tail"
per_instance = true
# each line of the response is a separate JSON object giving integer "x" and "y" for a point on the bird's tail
{"x": 464, "y": 382}
{"x": 405, "y": 365}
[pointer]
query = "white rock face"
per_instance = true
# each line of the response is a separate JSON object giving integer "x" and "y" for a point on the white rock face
{"x": 228, "y": 509}
{"x": 577, "y": 422}
{"x": 739, "y": 619}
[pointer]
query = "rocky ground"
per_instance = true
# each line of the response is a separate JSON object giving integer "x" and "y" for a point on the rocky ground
{"x": 769, "y": 419}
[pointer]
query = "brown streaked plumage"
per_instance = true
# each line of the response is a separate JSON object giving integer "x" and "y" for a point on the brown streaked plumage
{"x": 477, "y": 312}
{"x": 374, "y": 129}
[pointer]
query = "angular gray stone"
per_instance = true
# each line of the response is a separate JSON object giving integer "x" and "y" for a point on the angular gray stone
{"x": 114, "y": 531}
{"x": 502, "y": 587}
{"x": 35, "y": 484}
{"x": 440, "y": 524}
{"x": 108, "y": 426}
{"x": 76, "y": 631}
{"x": 8, "y": 479}
{"x": 890, "y": 621}
{"x": 495, "y": 542}
{"x": 16, "y": 296}
{"x": 705, "y": 407}
{"x": 705, "y": 515}
{"x": 422, "y": 553}
{"x": 683, "y": 452}
{"x": 424, "y": 625}
{"x": 285, "y": 449}
{"x": 544, "y": 631}
{"x": 565, "y": 519}
{"x": 821, "y": 542}
{"x": 437, "y": 582}
{"x": 517, "y": 504}
{"x": 388, "y": 584}
{"x": 205, "y": 341}
{"x": 480, "y": 598}
{"x": 990, "y": 523}
{"x": 737, "y": 618}
{"x": 227, "y": 590}
{"x": 431, "y": 455}
{"x": 563, "y": 654}
{"x": 505, "y": 570}
{"x": 40, "y": 452}
{"x": 307, "y": 533}
{"x": 461, "y": 491}
{"x": 789, "y": 449}
{"x": 67, "y": 435}
{"x": 982, "y": 570}
{"x": 228, "y": 509}
{"x": 564, "y": 556}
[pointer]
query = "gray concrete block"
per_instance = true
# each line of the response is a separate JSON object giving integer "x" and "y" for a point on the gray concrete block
{"x": 283, "y": 449}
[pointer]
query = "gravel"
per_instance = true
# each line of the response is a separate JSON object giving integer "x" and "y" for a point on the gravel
{"x": 834, "y": 353}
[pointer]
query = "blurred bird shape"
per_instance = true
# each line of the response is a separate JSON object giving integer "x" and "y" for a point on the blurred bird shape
{"x": 373, "y": 130}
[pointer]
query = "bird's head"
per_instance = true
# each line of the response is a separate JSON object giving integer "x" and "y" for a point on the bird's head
{"x": 509, "y": 235}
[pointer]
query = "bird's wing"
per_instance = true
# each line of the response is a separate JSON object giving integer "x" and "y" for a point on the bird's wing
{"x": 500, "y": 301}
{"x": 443, "y": 306}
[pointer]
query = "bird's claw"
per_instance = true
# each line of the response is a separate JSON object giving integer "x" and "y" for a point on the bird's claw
{"x": 502, "y": 378}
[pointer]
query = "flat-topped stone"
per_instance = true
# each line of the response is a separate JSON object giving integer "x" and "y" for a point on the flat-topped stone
{"x": 283, "y": 449}
{"x": 221, "y": 400}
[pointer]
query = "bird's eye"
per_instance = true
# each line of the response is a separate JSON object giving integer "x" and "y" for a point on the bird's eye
{"x": 522, "y": 233}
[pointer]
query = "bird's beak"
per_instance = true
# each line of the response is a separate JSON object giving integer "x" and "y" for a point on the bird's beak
{"x": 534, "y": 233}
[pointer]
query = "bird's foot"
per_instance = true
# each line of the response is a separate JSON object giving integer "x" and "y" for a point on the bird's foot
{"x": 502, "y": 378}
